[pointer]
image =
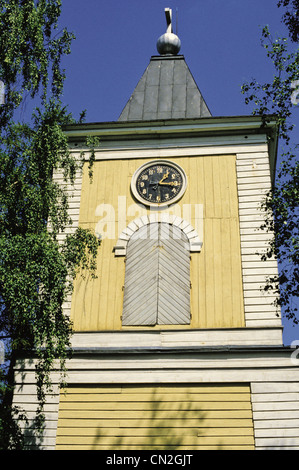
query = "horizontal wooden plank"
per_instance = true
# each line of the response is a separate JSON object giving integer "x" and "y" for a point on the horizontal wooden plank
{"x": 23, "y": 398}
{"x": 210, "y": 424}
{"x": 254, "y": 196}
{"x": 276, "y": 414}
{"x": 260, "y": 308}
{"x": 280, "y": 424}
{"x": 288, "y": 432}
{"x": 184, "y": 407}
{"x": 49, "y": 417}
{"x": 276, "y": 387}
{"x": 208, "y": 375}
{"x": 173, "y": 415}
{"x": 252, "y": 292}
{"x": 263, "y": 323}
{"x": 49, "y": 432}
{"x": 161, "y": 441}
{"x": 155, "y": 431}
{"x": 50, "y": 426}
{"x": 252, "y": 154}
{"x": 254, "y": 225}
{"x": 257, "y": 236}
{"x": 248, "y": 191}
{"x": 255, "y": 271}
{"x": 246, "y": 185}
{"x": 190, "y": 398}
{"x": 254, "y": 176}
{"x": 260, "y": 300}
{"x": 251, "y": 217}
{"x": 273, "y": 406}
{"x": 157, "y": 447}
{"x": 279, "y": 442}
{"x": 185, "y": 363}
{"x": 48, "y": 408}
{"x": 253, "y": 168}
{"x": 271, "y": 315}
{"x": 160, "y": 388}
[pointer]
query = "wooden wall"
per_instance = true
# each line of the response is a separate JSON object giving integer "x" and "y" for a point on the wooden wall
{"x": 216, "y": 275}
{"x": 273, "y": 378}
{"x": 149, "y": 417}
{"x": 276, "y": 415}
{"x": 254, "y": 181}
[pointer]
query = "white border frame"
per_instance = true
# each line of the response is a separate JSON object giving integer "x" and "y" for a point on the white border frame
{"x": 160, "y": 162}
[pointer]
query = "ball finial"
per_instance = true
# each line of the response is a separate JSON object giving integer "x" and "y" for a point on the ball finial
{"x": 169, "y": 43}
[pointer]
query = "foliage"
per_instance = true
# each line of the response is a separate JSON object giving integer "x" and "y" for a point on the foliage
{"x": 291, "y": 17}
{"x": 36, "y": 271}
{"x": 276, "y": 97}
{"x": 281, "y": 204}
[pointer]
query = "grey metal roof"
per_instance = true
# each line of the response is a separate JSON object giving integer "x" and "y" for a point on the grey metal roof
{"x": 167, "y": 90}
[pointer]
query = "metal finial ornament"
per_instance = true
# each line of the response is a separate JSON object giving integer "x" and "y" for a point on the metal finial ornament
{"x": 169, "y": 43}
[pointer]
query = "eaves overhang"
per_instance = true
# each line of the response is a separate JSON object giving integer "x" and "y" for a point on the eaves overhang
{"x": 220, "y": 125}
{"x": 173, "y": 128}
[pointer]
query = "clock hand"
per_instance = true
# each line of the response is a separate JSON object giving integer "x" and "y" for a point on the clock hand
{"x": 154, "y": 183}
{"x": 171, "y": 183}
{"x": 164, "y": 177}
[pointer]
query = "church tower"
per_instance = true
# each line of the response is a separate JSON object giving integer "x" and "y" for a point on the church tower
{"x": 176, "y": 344}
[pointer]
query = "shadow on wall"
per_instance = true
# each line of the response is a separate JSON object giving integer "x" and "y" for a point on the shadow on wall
{"x": 154, "y": 423}
{"x": 168, "y": 421}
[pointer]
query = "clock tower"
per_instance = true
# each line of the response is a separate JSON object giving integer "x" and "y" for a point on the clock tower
{"x": 176, "y": 344}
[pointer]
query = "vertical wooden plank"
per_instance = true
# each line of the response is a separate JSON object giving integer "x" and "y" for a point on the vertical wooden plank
{"x": 209, "y": 314}
{"x": 198, "y": 266}
{"x": 237, "y": 290}
{"x": 211, "y": 183}
{"x": 217, "y": 177}
{"x": 227, "y": 286}
{"x": 232, "y": 186}
{"x": 219, "y": 316}
{"x": 224, "y": 182}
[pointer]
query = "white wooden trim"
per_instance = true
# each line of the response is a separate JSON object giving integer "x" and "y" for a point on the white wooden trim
{"x": 74, "y": 199}
{"x": 186, "y": 337}
{"x": 275, "y": 415}
{"x": 26, "y": 399}
{"x": 195, "y": 243}
{"x": 253, "y": 182}
{"x": 170, "y": 150}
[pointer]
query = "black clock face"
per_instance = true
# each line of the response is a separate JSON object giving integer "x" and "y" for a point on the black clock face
{"x": 159, "y": 183}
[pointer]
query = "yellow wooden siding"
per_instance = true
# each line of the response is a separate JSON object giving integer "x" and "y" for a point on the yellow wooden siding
{"x": 202, "y": 417}
{"x": 216, "y": 277}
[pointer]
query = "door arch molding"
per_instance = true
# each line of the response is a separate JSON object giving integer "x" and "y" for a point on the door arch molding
{"x": 195, "y": 243}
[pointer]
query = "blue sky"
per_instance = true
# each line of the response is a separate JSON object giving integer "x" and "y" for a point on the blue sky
{"x": 115, "y": 40}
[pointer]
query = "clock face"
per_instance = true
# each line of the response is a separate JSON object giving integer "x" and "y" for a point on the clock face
{"x": 159, "y": 183}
